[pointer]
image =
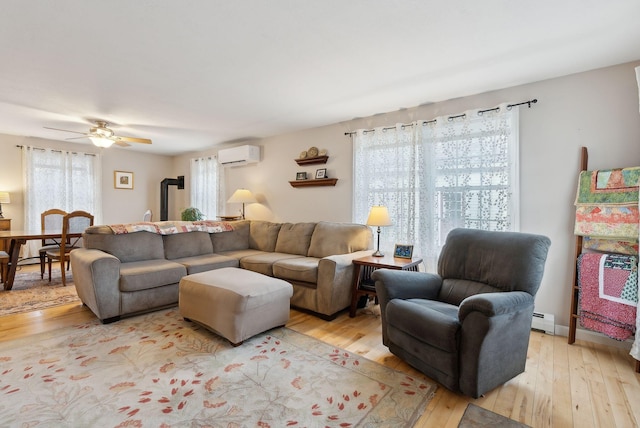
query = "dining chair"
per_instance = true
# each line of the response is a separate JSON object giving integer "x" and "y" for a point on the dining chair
{"x": 49, "y": 220}
{"x": 4, "y": 266}
{"x": 72, "y": 223}
{"x": 147, "y": 216}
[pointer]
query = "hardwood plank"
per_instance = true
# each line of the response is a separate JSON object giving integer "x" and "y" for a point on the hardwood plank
{"x": 621, "y": 412}
{"x": 562, "y": 416}
{"x": 580, "y": 397}
{"x": 542, "y": 393}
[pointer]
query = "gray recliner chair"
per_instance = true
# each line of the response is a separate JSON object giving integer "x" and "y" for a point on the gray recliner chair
{"x": 467, "y": 327}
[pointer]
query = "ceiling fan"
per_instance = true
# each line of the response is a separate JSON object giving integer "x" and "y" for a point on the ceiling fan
{"x": 101, "y": 136}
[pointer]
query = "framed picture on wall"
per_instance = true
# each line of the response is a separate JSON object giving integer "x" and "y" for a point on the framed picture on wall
{"x": 403, "y": 251}
{"x": 123, "y": 180}
{"x": 321, "y": 173}
{"x": 301, "y": 176}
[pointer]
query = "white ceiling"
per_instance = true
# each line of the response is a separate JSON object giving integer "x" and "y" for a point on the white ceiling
{"x": 190, "y": 74}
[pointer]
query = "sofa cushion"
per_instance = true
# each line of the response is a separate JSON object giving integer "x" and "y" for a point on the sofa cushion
{"x": 141, "y": 275}
{"x": 294, "y": 238}
{"x": 303, "y": 269}
{"x": 263, "y": 235}
{"x": 188, "y": 244}
{"x": 129, "y": 247}
{"x": 238, "y": 239}
{"x": 262, "y": 263}
{"x": 205, "y": 262}
{"x": 339, "y": 238}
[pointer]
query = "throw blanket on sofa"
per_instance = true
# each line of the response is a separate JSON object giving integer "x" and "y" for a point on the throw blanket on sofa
{"x": 608, "y": 293}
{"x": 607, "y": 204}
{"x": 172, "y": 227}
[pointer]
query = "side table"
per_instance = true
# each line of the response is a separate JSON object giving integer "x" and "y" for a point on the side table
{"x": 364, "y": 267}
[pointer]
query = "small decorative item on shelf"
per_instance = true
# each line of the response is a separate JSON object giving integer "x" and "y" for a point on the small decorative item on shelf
{"x": 321, "y": 173}
{"x": 301, "y": 176}
{"x": 322, "y": 152}
{"x": 191, "y": 214}
{"x": 403, "y": 251}
{"x": 303, "y": 155}
{"x": 312, "y": 152}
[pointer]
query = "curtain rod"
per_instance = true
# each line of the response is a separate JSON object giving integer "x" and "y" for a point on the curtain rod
{"x": 55, "y": 150}
{"x": 450, "y": 118}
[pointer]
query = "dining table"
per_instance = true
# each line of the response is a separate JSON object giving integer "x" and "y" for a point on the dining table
{"x": 18, "y": 238}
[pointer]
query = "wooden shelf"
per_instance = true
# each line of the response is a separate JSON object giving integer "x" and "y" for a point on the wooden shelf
{"x": 315, "y": 182}
{"x": 312, "y": 161}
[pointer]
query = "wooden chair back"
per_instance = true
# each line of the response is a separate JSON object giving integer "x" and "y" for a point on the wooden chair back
{"x": 51, "y": 219}
{"x": 74, "y": 222}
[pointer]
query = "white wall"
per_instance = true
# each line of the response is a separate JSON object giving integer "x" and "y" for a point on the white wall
{"x": 596, "y": 109}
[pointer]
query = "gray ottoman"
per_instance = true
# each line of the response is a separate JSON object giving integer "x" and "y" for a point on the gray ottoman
{"x": 235, "y": 303}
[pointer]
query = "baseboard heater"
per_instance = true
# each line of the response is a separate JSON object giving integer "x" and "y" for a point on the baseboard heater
{"x": 543, "y": 322}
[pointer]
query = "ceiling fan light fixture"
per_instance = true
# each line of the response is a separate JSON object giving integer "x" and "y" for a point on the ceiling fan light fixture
{"x": 101, "y": 141}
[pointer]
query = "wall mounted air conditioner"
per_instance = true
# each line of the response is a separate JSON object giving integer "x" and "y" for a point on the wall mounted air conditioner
{"x": 240, "y": 155}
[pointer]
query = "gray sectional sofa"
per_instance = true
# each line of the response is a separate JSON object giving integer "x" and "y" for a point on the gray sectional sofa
{"x": 118, "y": 274}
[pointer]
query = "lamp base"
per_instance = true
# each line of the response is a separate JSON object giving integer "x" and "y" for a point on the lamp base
{"x": 377, "y": 254}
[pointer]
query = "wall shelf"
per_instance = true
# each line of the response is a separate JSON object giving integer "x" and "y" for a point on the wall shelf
{"x": 312, "y": 161}
{"x": 314, "y": 182}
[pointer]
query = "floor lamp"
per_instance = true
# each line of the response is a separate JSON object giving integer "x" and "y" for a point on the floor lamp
{"x": 378, "y": 216}
{"x": 243, "y": 196}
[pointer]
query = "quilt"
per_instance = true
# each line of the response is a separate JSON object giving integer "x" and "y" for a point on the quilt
{"x": 172, "y": 227}
{"x": 608, "y": 286}
{"x": 607, "y": 204}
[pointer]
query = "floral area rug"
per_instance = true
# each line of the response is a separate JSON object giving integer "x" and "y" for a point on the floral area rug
{"x": 158, "y": 370}
{"x": 30, "y": 293}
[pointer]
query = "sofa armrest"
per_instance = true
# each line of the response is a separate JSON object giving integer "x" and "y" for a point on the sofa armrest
{"x": 494, "y": 339}
{"x": 401, "y": 284}
{"x": 96, "y": 275}
{"x": 335, "y": 274}
{"x": 494, "y": 304}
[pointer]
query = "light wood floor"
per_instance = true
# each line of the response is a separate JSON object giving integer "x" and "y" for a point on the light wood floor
{"x": 580, "y": 385}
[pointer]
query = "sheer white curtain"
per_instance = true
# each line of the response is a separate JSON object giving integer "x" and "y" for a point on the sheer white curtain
{"x": 59, "y": 179}
{"x": 207, "y": 187}
{"x": 440, "y": 174}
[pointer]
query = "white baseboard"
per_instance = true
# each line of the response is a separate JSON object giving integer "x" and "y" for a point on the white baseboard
{"x": 594, "y": 337}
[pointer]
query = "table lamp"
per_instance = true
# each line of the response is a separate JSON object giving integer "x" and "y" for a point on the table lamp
{"x": 5, "y": 198}
{"x": 378, "y": 216}
{"x": 243, "y": 196}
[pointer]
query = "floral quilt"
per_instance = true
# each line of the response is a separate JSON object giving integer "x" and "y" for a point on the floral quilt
{"x": 173, "y": 227}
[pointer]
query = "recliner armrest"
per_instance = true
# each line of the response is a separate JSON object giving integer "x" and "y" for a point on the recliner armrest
{"x": 493, "y": 304}
{"x": 399, "y": 284}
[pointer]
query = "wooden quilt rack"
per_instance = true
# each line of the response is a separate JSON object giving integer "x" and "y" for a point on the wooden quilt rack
{"x": 574, "y": 316}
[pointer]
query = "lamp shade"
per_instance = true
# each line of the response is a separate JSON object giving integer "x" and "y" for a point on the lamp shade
{"x": 378, "y": 216}
{"x": 242, "y": 196}
{"x": 101, "y": 142}
{"x": 5, "y": 198}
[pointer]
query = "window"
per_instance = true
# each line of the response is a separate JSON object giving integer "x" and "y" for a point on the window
{"x": 69, "y": 181}
{"x": 438, "y": 175}
{"x": 206, "y": 186}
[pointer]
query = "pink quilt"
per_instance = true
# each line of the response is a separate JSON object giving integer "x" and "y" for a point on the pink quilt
{"x": 608, "y": 293}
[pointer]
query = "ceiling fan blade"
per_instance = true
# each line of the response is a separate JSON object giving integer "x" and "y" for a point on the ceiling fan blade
{"x": 77, "y": 138}
{"x": 121, "y": 143}
{"x": 132, "y": 139}
{"x": 64, "y": 130}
